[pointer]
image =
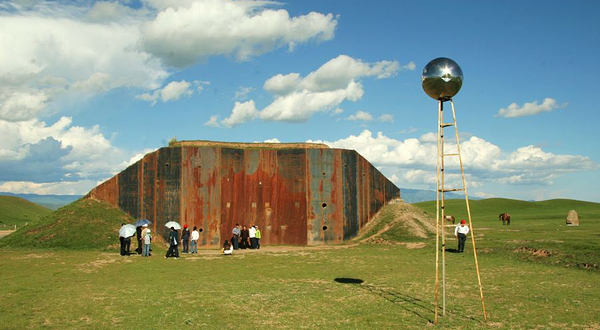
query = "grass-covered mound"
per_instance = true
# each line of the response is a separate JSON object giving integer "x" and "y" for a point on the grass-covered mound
{"x": 83, "y": 224}
{"x": 18, "y": 211}
{"x": 398, "y": 223}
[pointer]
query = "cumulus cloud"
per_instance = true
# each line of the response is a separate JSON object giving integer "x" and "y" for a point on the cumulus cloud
{"x": 360, "y": 116}
{"x": 73, "y": 50}
{"x": 173, "y": 91}
{"x": 242, "y": 112}
{"x": 414, "y": 160}
{"x": 33, "y": 151}
{"x": 530, "y": 109}
{"x": 56, "y": 53}
{"x": 184, "y": 32}
{"x": 297, "y": 98}
{"x": 213, "y": 121}
{"x": 386, "y": 118}
{"x": 242, "y": 92}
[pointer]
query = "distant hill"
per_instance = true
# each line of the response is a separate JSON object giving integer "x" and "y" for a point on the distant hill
{"x": 419, "y": 195}
{"x": 489, "y": 209}
{"x": 18, "y": 211}
{"x": 52, "y": 202}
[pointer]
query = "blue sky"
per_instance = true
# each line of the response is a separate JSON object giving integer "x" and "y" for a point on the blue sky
{"x": 90, "y": 87}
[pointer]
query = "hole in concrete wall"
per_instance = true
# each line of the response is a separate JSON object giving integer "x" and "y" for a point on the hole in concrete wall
{"x": 323, "y": 173}
{"x": 324, "y": 205}
{"x": 167, "y": 164}
{"x": 345, "y": 165}
{"x": 324, "y": 227}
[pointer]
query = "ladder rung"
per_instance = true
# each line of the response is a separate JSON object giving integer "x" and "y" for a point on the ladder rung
{"x": 447, "y": 190}
{"x": 446, "y": 124}
{"x": 450, "y": 154}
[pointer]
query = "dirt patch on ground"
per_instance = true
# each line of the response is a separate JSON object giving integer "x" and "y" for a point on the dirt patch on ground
{"x": 533, "y": 251}
{"x": 414, "y": 245}
{"x": 5, "y": 232}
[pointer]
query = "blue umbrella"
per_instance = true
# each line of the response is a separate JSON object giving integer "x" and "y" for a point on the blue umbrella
{"x": 142, "y": 222}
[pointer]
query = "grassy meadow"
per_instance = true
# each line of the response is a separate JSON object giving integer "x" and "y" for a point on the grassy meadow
{"x": 353, "y": 286}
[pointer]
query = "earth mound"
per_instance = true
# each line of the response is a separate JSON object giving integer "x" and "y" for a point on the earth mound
{"x": 81, "y": 225}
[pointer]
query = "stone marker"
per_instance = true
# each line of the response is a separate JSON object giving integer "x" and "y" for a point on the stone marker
{"x": 572, "y": 218}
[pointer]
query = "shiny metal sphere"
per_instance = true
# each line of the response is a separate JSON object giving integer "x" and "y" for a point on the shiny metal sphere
{"x": 442, "y": 78}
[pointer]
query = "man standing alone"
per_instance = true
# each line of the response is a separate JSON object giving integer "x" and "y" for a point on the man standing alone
{"x": 236, "y": 236}
{"x": 461, "y": 232}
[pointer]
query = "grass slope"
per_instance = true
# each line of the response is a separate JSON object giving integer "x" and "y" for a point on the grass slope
{"x": 84, "y": 224}
{"x": 537, "y": 232}
{"x": 18, "y": 211}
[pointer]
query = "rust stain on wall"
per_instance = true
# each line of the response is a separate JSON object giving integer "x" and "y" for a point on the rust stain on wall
{"x": 297, "y": 196}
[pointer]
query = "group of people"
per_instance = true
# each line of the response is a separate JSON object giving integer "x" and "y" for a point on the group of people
{"x": 144, "y": 239}
{"x": 185, "y": 241}
{"x": 245, "y": 238}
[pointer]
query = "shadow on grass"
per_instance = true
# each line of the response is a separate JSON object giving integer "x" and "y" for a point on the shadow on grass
{"x": 411, "y": 304}
{"x": 406, "y": 302}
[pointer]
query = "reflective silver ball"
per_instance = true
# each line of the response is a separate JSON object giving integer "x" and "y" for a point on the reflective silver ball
{"x": 442, "y": 78}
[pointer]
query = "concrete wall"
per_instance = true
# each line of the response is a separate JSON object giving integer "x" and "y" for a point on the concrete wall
{"x": 303, "y": 196}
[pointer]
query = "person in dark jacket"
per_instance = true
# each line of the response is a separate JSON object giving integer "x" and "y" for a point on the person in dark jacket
{"x": 173, "y": 239}
{"x": 138, "y": 235}
{"x": 122, "y": 241}
{"x": 185, "y": 239}
{"x": 245, "y": 234}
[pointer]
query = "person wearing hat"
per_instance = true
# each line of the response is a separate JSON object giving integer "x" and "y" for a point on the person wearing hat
{"x": 461, "y": 232}
{"x": 185, "y": 239}
{"x": 147, "y": 241}
{"x": 145, "y": 230}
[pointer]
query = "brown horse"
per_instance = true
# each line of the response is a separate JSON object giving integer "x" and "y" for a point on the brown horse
{"x": 505, "y": 218}
{"x": 450, "y": 218}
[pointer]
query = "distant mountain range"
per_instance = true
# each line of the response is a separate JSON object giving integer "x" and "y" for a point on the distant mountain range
{"x": 52, "y": 202}
{"x": 57, "y": 201}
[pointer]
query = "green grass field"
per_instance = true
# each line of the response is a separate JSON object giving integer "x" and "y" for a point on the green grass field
{"x": 18, "y": 211}
{"x": 296, "y": 288}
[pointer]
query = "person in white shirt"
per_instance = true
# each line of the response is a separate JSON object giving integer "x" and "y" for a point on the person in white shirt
{"x": 461, "y": 232}
{"x": 195, "y": 237}
{"x": 252, "y": 234}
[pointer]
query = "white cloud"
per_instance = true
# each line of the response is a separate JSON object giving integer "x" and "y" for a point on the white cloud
{"x": 301, "y": 105}
{"x": 49, "y": 188}
{"x": 22, "y": 105}
{"x": 414, "y": 160}
{"x": 296, "y": 98}
{"x": 273, "y": 140}
{"x": 360, "y": 115}
{"x": 386, "y": 118}
{"x": 213, "y": 121}
{"x": 530, "y": 109}
{"x": 56, "y": 54}
{"x": 411, "y": 66}
{"x": 185, "y": 32}
{"x": 242, "y": 92}
{"x": 242, "y": 112}
{"x": 33, "y": 151}
{"x": 173, "y": 91}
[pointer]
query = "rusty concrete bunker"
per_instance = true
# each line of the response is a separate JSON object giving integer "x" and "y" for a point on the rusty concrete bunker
{"x": 297, "y": 194}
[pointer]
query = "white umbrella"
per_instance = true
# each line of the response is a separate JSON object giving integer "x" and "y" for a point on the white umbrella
{"x": 174, "y": 224}
{"x": 127, "y": 231}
